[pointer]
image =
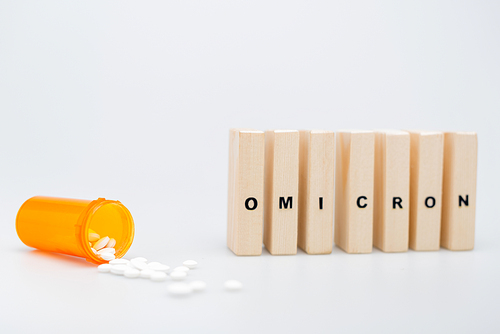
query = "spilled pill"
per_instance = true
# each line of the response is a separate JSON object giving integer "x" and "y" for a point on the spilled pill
{"x": 104, "y": 268}
{"x": 233, "y": 285}
{"x": 131, "y": 273}
{"x": 107, "y": 256}
{"x": 158, "y": 276}
{"x": 153, "y": 263}
{"x": 119, "y": 269}
{"x": 138, "y": 264}
{"x": 182, "y": 268}
{"x": 190, "y": 264}
{"x": 143, "y": 259}
{"x": 118, "y": 261}
{"x": 158, "y": 266}
{"x": 178, "y": 275}
{"x": 101, "y": 243}
{"x": 198, "y": 285}
{"x": 179, "y": 288}
{"x": 146, "y": 273}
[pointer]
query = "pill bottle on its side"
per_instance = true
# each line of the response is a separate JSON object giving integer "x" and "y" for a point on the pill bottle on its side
{"x": 62, "y": 225}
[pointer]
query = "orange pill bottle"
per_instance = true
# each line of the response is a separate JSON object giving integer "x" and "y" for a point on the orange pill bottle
{"x": 62, "y": 225}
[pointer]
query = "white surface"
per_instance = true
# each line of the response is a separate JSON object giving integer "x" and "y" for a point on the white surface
{"x": 198, "y": 286}
{"x": 133, "y": 101}
{"x": 180, "y": 289}
{"x": 233, "y": 285}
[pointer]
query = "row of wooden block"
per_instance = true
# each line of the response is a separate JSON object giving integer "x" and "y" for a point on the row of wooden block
{"x": 392, "y": 189}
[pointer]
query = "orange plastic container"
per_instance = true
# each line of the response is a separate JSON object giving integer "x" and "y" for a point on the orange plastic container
{"x": 62, "y": 225}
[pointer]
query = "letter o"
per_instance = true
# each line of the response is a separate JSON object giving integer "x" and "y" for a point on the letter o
{"x": 247, "y": 203}
{"x": 427, "y": 202}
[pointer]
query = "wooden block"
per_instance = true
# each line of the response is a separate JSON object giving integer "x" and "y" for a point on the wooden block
{"x": 391, "y": 211}
{"x": 281, "y": 191}
{"x": 246, "y": 192}
{"x": 354, "y": 191}
{"x": 459, "y": 190}
{"x": 426, "y": 181}
{"x": 316, "y": 165}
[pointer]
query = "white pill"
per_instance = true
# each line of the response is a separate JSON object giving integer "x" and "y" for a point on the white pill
{"x": 153, "y": 263}
{"x": 94, "y": 237}
{"x": 130, "y": 265}
{"x": 182, "y": 268}
{"x": 107, "y": 256}
{"x": 111, "y": 243}
{"x": 139, "y": 264}
{"x": 119, "y": 269}
{"x": 190, "y": 264}
{"x": 158, "y": 276}
{"x": 118, "y": 261}
{"x": 104, "y": 268}
{"x": 131, "y": 273}
{"x": 158, "y": 266}
{"x": 233, "y": 285}
{"x": 146, "y": 273}
{"x": 178, "y": 275}
{"x": 179, "y": 288}
{"x": 143, "y": 259}
{"x": 106, "y": 250}
{"x": 101, "y": 243}
{"x": 198, "y": 285}
{"x": 93, "y": 250}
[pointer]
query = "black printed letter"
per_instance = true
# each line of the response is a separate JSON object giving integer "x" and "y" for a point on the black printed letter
{"x": 247, "y": 202}
{"x": 358, "y": 202}
{"x": 432, "y": 199}
{"x": 397, "y": 201}
{"x": 465, "y": 201}
{"x": 285, "y": 204}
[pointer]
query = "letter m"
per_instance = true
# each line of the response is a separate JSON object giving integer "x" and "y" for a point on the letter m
{"x": 284, "y": 204}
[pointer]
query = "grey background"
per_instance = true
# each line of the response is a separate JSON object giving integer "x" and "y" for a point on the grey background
{"x": 133, "y": 101}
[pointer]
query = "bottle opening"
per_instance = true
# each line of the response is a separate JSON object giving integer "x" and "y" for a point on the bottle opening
{"x": 110, "y": 219}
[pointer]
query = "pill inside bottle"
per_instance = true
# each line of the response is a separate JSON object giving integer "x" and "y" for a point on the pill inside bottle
{"x": 72, "y": 226}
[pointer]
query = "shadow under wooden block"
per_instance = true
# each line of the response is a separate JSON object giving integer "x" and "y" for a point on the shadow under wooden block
{"x": 426, "y": 181}
{"x": 316, "y": 184}
{"x": 459, "y": 190}
{"x": 281, "y": 191}
{"x": 246, "y": 192}
{"x": 354, "y": 191}
{"x": 392, "y": 191}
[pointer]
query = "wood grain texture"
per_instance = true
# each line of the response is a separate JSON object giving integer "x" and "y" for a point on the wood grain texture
{"x": 246, "y": 181}
{"x": 354, "y": 185}
{"x": 392, "y": 191}
{"x": 459, "y": 190}
{"x": 281, "y": 191}
{"x": 316, "y": 184}
{"x": 426, "y": 182}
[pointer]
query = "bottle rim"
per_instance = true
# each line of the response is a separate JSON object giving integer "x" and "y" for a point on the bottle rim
{"x": 84, "y": 225}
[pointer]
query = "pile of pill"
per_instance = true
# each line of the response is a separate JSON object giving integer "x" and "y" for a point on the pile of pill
{"x": 139, "y": 267}
{"x": 102, "y": 247}
{"x": 158, "y": 272}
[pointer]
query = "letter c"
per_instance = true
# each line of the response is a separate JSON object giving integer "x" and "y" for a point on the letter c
{"x": 358, "y": 202}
